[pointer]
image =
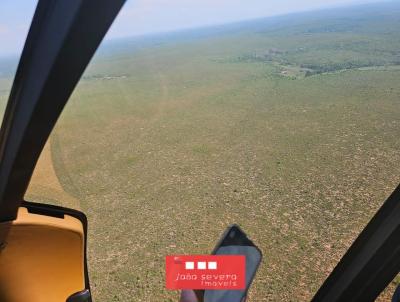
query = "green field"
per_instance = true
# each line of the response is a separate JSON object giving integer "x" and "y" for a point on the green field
{"x": 288, "y": 126}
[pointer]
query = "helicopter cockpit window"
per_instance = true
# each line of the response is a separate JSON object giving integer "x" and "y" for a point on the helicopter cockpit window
{"x": 193, "y": 115}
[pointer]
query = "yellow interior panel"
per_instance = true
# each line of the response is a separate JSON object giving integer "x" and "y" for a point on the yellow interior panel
{"x": 41, "y": 258}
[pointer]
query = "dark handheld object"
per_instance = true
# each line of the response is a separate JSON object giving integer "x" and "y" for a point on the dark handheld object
{"x": 234, "y": 242}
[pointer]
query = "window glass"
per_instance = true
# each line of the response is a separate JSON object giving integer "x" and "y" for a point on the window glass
{"x": 282, "y": 118}
{"x": 15, "y": 18}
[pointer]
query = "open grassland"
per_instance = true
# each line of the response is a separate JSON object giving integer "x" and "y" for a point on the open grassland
{"x": 289, "y": 127}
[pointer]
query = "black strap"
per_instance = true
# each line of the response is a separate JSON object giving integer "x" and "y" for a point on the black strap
{"x": 63, "y": 37}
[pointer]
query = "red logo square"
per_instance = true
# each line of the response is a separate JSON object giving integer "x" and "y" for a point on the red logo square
{"x": 222, "y": 272}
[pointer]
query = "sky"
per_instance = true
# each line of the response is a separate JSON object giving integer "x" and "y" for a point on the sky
{"x": 140, "y": 17}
